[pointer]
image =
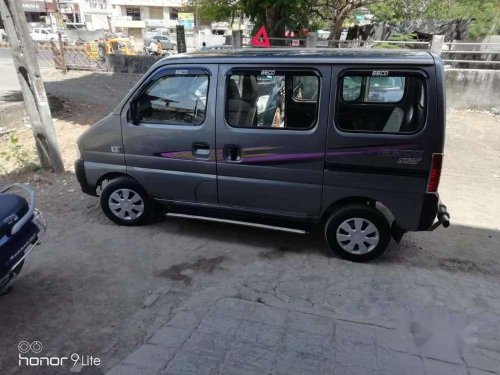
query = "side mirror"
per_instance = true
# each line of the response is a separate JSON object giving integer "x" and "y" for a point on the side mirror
{"x": 134, "y": 118}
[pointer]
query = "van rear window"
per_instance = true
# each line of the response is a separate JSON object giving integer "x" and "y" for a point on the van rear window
{"x": 389, "y": 104}
{"x": 272, "y": 100}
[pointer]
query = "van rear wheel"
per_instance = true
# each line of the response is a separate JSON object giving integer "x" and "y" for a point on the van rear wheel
{"x": 358, "y": 232}
{"x": 125, "y": 202}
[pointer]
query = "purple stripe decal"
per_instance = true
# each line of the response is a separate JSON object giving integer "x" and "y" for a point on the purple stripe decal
{"x": 267, "y": 156}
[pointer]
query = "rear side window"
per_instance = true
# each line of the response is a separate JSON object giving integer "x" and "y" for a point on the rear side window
{"x": 281, "y": 100}
{"x": 389, "y": 104}
{"x": 174, "y": 99}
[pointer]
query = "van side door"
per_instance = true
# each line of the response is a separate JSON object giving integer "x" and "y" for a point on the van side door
{"x": 384, "y": 132}
{"x": 271, "y": 135}
{"x": 168, "y": 129}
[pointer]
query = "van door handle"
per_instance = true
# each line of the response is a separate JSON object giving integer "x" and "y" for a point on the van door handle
{"x": 232, "y": 153}
{"x": 201, "y": 150}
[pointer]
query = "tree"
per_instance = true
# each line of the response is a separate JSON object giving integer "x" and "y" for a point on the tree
{"x": 30, "y": 80}
{"x": 216, "y": 10}
{"x": 336, "y": 12}
{"x": 485, "y": 13}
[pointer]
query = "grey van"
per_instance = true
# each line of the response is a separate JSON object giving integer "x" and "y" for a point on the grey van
{"x": 351, "y": 141}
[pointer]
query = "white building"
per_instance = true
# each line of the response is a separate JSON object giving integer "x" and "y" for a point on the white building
{"x": 135, "y": 17}
{"x": 96, "y": 14}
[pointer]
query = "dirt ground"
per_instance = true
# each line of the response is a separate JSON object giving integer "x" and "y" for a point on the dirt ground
{"x": 99, "y": 289}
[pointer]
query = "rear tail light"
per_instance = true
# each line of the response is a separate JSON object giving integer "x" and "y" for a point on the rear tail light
{"x": 435, "y": 174}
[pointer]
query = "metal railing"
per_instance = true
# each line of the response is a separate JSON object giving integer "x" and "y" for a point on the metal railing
{"x": 482, "y": 54}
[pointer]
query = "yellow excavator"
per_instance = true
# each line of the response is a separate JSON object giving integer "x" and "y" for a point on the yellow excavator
{"x": 121, "y": 46}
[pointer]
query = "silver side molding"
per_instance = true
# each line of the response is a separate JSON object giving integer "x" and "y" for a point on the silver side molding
{"x": 237, "y": 222}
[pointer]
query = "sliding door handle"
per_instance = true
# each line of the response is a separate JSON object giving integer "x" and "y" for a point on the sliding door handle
{"x": 232, "y": 153}
{"x": 201, "y": 150}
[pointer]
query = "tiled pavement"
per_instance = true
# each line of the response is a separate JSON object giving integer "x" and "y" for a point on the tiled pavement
{"x": 237, "y": 336}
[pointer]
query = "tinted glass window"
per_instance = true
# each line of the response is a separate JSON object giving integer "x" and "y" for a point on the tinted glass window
{"x": 175, "y": 100}
{"x": 351, "y": 88}
{"x": 385, "y": 89}
{"x": 392, "y": 104}
{"x": 280, "y": 100}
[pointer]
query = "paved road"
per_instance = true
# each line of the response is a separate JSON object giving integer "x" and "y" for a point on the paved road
{"x": 9, "y": 81}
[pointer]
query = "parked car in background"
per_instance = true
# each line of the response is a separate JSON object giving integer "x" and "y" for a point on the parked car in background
{"x": 166, "y": 42}
{"x": 40, "y": 34}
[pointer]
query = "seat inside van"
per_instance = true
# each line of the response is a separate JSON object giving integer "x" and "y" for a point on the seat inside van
{"x": 242, "y": 108}
{"x": 386, "y": 111}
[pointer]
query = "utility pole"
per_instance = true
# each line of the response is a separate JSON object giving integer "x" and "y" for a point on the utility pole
{"x": 30, "y": 79}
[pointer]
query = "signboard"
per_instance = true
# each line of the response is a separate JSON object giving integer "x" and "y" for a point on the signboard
{"x": 295, "y": 42}
{"x": 154, "y": 23}
{"x": 186, "y": 20}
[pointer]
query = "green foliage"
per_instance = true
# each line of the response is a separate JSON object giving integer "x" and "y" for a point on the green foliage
{"x": 18, "y": 155}
{"x": 216, "y": 10}
{"x": 387, "y": 46}
{"x": 486, "y": 13}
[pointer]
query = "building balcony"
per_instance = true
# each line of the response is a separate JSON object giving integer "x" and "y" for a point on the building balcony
{"x": 126, "y": 22}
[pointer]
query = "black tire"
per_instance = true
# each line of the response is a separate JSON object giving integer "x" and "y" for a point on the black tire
{"x": 149, "y": 207}
{"x": 345, "y": 216}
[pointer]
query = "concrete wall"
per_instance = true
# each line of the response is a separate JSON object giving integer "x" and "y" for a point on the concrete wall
{"x": 130, "y": 64}
{"x": 473, "y": 88}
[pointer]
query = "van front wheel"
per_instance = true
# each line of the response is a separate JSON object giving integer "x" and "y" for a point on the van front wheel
{"x": 357, "y": 232}
{"x": 125, "y": 202}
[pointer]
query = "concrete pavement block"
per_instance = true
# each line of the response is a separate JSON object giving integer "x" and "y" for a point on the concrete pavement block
{"x": 220, "y": 325}
{"x": 209, "y": 346}
{"x": 187, "y": 363}
{"x": 310, "y": 323}
{"x": 295, "y": 363}
{"x": 233, "y": 307}
{"x": 170, "y": 337}
{"x": 395, "y": 339}
{"x": 266, "y": 314}
{"x": 434, "y": 367}
{"x": 185, "y": 319}
{"x": 356, "y": 355}
{"x": 482, "y": 358}
{"x": 318, "y": 345}
{"x": 260, "y": 334}
{"x": 396, "y": 363}
{"x": 123, "y": 369}
{"x": 150, "y": 357}
{"x": 253, "y": 358}
{"x": 349, "y": 333}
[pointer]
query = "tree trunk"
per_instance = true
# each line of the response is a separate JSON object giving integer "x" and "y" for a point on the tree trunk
{"x": 338, "y": 18}
{"x": 28, "y": 73}
{"x": 336, "y": 31}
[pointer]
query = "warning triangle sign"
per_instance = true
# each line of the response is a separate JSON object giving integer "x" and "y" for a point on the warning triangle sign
{"x": 261, "y": 39}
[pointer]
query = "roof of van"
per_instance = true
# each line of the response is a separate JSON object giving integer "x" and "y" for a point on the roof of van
{"x": 306, "y": 55}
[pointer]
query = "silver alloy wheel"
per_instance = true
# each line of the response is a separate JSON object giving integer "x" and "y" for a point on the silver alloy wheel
{"x": 126, "y": 204}
{"x": 358, "y": 236}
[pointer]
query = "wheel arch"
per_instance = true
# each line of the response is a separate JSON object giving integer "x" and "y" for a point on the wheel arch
{"x": 111, "y": 176}
{"x": 356, "y": 200}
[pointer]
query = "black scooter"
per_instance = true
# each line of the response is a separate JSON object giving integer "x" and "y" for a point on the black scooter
{"x": 21, "y": 228}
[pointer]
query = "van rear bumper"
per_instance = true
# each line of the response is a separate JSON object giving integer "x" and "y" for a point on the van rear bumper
{"x": 82, "y": 178}
{"x": 432, "y": 207}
